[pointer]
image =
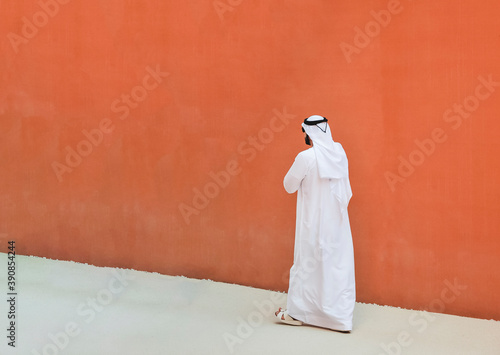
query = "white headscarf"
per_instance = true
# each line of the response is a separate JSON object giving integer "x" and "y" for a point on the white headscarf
{"x": 330, "y": 156}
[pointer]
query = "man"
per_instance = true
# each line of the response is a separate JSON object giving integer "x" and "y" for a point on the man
{"x": 322, "y": 287}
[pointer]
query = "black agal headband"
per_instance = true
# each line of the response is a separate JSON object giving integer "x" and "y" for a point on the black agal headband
{"x": 312, "y": 123}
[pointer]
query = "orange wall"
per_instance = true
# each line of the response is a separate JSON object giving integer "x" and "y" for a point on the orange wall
{"x": 176, "y": 96}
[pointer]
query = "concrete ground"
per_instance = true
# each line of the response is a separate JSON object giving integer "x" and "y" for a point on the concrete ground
{"x": 76, "y": 309}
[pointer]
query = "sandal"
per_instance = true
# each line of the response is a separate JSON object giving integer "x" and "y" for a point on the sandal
{"x": 284, "y": 317}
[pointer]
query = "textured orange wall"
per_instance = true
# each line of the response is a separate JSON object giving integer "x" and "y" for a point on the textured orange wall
{"x": 155, "y": 135}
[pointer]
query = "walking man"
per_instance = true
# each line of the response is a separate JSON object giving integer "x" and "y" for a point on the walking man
{"x": 322, "y": 288}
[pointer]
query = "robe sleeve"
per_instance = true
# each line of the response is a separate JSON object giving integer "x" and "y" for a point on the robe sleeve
{"x": 296, "y": 174}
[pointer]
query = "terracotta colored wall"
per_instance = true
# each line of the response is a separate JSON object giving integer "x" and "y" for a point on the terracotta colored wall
{"x": 166, "y": 100}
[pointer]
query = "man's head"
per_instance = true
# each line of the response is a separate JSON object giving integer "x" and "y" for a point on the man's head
{"x": 330, "y": 156}
{"x": 313, "y": 121}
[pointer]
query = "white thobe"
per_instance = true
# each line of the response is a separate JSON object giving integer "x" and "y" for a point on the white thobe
{"x": 322, "y": 288}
